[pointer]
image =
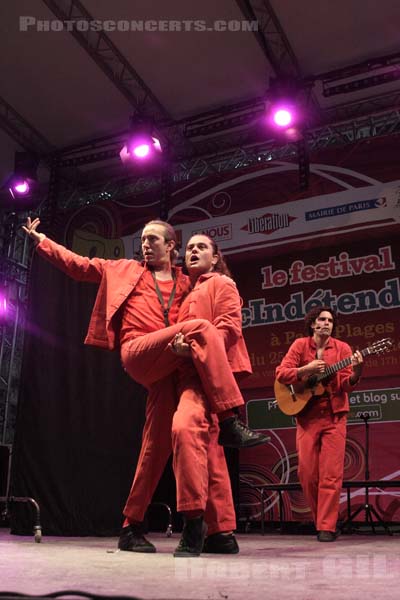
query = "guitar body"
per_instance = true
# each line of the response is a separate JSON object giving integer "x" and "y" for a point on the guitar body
{"x": 291, "y": 399}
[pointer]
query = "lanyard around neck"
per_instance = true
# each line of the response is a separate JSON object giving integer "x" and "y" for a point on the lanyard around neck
{"x": 165, "y": 309}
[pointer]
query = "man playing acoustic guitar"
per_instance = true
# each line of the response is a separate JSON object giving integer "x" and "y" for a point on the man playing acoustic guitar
{"x": 321, "y": 424}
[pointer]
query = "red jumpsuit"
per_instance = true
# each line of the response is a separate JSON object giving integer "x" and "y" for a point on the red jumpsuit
{"x": 202, "y": 477}
{"x": 147, "y": 358}
{"x": 321, "y": 430}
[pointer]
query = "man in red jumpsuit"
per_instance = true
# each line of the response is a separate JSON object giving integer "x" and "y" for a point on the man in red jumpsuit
{"x": 134, "y": 307}
{"x": 214, "y": 296}
{"x": 321, "y": 425}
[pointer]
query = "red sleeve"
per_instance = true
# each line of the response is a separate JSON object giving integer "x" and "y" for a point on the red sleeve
{"x": 78, "y": 267}
{"x": 286, "y": 372}
{"x": 227, "y": 310}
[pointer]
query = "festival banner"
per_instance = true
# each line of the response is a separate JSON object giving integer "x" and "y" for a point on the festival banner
{"x": 349, "y": 211}
{"x": 362, "y": 286}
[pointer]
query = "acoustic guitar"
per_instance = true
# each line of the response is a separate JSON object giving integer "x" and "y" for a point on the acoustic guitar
{"x": 292, "y": 398}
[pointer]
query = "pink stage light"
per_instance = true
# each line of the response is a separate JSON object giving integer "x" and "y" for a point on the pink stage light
{"x": 141, "y": 150}
{"x": 3, "y": 309}
{"x": 19, "y": 187}
{"x": 282, "y": 117}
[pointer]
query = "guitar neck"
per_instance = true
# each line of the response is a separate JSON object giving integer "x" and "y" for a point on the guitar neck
{"x": 339, "y": 365}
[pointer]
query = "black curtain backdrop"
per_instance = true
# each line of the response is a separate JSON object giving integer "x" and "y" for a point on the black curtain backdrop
{"x": 79, "y": 421}
{"x": 80, "y": 417}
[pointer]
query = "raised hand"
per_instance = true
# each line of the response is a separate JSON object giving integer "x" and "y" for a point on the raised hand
{"x": 30, "y": 228}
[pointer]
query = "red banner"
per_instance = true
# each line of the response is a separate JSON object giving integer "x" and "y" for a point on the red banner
{"x": 361, "y": 282}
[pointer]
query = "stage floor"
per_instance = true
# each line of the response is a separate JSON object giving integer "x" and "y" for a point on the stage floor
{"x": 270, "y": 566}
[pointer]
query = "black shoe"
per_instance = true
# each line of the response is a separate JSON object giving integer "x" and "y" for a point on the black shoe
{"x": 133, "y": 540}
{"x": 326, "y": 536}
{"x": 192, "y": 539}
{"x": 235, "y": 434}
{"x": 221, "y": 543}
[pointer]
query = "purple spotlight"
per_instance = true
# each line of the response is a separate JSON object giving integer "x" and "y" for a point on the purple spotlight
{"x": 142, "y": 150}
{"x": 19, "y": 188}
{"x": 282, "y": 117}
{"x": 22, "y": 188}
{"x": 3, "y": 308}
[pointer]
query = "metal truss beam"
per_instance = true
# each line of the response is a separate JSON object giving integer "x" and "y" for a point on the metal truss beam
{"x": 118, "y": 70}
{"x": 226, "y": 158}
{"x": 271, "y": 37}
{"x": 277, "y": 49}
{"x": 221, "y": 130}
{"x": 362, "y": 108}
{"x": 109, "y": 59}
{"x": 352, "y": 70}
{"x": 15, "y": 255}
{"x": 21, "y": 131}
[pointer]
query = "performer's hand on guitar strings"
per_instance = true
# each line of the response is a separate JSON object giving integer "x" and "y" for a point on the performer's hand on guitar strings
{"x": 357, "y": 361}
{"x": 312, "y": 368}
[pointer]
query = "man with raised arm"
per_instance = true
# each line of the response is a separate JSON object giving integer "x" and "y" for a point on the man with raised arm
{"x": 135, "y": 309}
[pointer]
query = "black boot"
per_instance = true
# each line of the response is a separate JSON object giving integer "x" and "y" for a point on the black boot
{"x": 235, "y": 434}
{"x": 192, "y": 539}
{"x": 221, "y": 543}
{"x": 133, "y": 540}
{"x": 327, "y": 536}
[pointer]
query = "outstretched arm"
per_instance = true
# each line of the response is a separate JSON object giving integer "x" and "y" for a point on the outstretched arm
{"x": 78, "y": 267}
{"x": 30, "y": 228}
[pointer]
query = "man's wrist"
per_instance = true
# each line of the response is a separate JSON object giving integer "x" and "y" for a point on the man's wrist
{"x": 39, "y": 240}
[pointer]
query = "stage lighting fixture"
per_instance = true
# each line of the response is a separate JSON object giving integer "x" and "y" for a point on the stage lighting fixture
{"x": 3, "y": 307}
{"x": 345, "y": 87}
{"x": 284, "y": 119}
{"x": 19, "y": 187}
{"x": 23, "y": 182}
{"x": 284, "y": 114}
{"x": 142, "y": 144}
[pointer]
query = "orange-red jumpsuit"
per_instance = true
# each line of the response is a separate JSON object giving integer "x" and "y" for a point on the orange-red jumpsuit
{"x": 321, "y": 429}
{"x": 201, "y": 474}
{"x": 148, "y": 358}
